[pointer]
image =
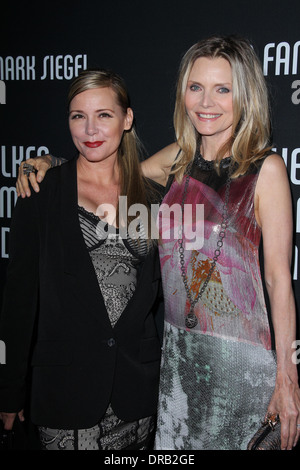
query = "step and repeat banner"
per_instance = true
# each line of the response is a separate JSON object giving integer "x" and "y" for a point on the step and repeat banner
{"x": 44, "y": 45}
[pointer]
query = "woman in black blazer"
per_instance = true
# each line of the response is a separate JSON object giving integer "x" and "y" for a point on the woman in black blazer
{"x": 81, "y": 299}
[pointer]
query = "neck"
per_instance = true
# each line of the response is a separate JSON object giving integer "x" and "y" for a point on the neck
{"x": 210, "y": 147}
{"x": 104, "y": 173}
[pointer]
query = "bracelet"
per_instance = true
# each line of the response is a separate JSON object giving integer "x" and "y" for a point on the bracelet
{"x": 55, "y": 161}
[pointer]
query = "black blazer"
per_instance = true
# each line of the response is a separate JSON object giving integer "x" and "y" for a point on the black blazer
{"x": 80, "y": 363}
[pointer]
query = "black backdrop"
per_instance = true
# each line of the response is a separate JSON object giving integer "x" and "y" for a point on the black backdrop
{"x": 45, "y": 44}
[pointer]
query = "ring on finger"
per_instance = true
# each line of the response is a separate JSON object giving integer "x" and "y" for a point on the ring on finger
{"x": 27, "y": 169}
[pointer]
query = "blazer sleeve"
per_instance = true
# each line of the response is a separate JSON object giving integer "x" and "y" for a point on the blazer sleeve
{"x": 19, "y": 307}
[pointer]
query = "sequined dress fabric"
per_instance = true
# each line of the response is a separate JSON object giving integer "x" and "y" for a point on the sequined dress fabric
{"x": 217, "y": 378}
{"x": 115, "y": 261}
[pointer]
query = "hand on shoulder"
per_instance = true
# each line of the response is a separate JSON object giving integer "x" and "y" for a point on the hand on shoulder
{"x": 40, "y": 167}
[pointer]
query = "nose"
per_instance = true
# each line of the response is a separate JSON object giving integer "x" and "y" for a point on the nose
{"x": 91, "y": 127}
{"x": 206, "y": 99}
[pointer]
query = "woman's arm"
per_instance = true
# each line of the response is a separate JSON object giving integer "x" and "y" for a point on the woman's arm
{"x": 158, "y": 167}
{"x": 273, "y": 208}
{"x": 41, "y": 165}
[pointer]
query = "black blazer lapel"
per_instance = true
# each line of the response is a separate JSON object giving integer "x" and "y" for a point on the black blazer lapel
{"x": 77, "y": 261}
{"x": 146, "y": 291}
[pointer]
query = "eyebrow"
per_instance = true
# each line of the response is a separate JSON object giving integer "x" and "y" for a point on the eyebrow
{"x": 96, "y": 111}
{"x": 216, "y": 84}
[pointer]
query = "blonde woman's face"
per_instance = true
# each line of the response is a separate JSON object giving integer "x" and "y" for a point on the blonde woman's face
{"x": 97, "y": 123}
{"x": 208, "y": 98}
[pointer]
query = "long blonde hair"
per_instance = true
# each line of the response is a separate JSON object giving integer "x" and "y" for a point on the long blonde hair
{"x": 251, "y": 121}
{"x": 132, "y": 182}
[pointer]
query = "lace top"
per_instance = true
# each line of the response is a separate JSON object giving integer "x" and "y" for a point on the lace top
{"x": 115, "y": 261}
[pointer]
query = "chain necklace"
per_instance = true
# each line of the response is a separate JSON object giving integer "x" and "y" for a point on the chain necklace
{"x": 191, "y": 319}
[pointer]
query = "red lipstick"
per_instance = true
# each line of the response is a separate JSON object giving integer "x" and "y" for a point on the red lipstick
{"x": 93, "y": 145}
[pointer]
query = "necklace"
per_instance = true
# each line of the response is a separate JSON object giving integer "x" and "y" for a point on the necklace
{"x": 191, "y": 319}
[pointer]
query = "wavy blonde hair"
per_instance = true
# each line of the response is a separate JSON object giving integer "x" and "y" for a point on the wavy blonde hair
{"x": 251, "y": 112}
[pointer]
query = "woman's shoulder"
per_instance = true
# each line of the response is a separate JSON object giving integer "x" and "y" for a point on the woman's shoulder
{"x": 55, "y": 177}
{"x": 266, "y": 160}
{"x": 272, "y": 175}
{"x": 272, "y": 162}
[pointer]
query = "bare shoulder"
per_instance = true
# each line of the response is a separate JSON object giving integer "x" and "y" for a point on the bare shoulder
{"x": 273, "y": 171}
{"x": 272, "y": 194}
{"x": 273, "y": 164}
{"x": 158, "y": 166}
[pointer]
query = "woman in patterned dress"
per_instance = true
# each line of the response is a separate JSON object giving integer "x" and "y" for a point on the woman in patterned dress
{"x": 219, "y": 373}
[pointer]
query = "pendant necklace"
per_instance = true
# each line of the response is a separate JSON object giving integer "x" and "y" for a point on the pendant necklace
{"x": 191, "y": 319}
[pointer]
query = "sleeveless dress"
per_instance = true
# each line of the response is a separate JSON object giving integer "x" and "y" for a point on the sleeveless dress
{"x": 218, "y": 377}
{"x": 116, "y": 263}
